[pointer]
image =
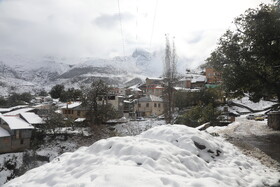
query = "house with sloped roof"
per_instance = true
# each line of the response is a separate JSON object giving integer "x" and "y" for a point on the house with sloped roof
{"x": 154, "y": 86}
{"x": 74, "y": 110}
{"x": 32, "y": 118}
{"x": 149, "y": 105}
{"x": 15, "y": 134}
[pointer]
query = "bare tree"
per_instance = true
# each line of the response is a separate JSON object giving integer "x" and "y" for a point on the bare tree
{"x": 170, "y": 79}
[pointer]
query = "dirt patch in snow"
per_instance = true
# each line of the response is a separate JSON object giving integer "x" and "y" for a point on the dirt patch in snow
{"x": 252, "y": 151}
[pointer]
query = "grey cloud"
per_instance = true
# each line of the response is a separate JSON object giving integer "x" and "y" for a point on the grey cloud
{"x": 108, "y": 21}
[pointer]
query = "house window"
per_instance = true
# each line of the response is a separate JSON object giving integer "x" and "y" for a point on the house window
{"x": 139, "y": 105}
{"x": 155, "y": 105}
{"x": 159, "y": 105}
{"x": 21, "y": 141}
{"x": 78, "y": 113}
{"x": 147, "y": 104}
{"x": 111, "y": 97}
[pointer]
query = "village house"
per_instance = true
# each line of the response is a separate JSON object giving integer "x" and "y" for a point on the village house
{"x": 154, "y": 86}
{"x": 128, "y": 108}
{"x": 149, "y": 105}
{"x": 15, "y": 134}
{"x": 32, "y": 118}
{"x": 198, "y": 82}
{"x": 184, "y": 83}
{"x": 74, "y": 110}
{"x": 212, "y": 76}
{"x": 115, "y": 101}
{"x": 117, "y": 91}
{"x": 135, "y": 91}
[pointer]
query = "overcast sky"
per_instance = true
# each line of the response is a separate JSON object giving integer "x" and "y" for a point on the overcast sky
{"x": 79, "y": 28}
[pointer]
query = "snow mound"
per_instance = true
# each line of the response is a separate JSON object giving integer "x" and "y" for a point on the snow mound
{"x": 162, "y": 156}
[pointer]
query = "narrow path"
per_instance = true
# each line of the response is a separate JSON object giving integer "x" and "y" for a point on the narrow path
{"x": 255, "y": 139}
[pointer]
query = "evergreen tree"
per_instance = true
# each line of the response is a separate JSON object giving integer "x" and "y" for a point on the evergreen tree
{"x": 56, "y": 91}
{"x": 248, "y": 57}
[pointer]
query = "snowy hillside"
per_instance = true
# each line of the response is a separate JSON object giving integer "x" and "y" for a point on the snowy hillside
{"x": 45, "y": 72}
{"x": 162, "y": 156}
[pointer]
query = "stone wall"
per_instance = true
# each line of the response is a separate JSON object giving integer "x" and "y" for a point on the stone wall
{"x": 274, "y": 120}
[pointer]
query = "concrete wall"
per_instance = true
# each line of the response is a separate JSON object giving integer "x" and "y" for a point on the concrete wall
{"x": 153, "y": 108}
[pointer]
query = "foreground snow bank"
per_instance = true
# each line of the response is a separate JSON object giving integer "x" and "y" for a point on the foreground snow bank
{"x": 162, "y": 156}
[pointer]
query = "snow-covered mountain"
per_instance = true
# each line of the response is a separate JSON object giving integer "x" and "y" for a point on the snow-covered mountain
{"x": 21, "y": 73}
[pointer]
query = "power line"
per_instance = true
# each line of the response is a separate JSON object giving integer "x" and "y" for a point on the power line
{"x": 153, "y": 26}
{"x": 120, "y": 18}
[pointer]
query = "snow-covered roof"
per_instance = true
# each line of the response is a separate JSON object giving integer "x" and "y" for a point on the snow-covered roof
{"x": 150, "y": 98}
{"x": 17, "y": 112}
{"x": 185, "y": 79}
{"x": 186, "y": 89}
{"x": 155, "y": 78}
{"x": 71, "y": 105}
{"x": 80, "y": 119}
{"x": 32, "y": 118}
{"x": 12, "y": 108}
{"x": 5, "y": 110}
{"x": 18, "y": 107}
{"x": 16, "y": 122}
{"x": 127, "y": 101}
{"x": 136, "y": 89}
{"x": 200, "y": 78}
{"x": 158, "y": 87}
{"x": 4, "y": 133}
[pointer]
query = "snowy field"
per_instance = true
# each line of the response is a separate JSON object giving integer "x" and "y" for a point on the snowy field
{"x": 162, "y": 156}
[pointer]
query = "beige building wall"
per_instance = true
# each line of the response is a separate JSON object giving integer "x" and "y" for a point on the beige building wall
{"x": 149, "y": 108}
{"x": 74, "y": 114}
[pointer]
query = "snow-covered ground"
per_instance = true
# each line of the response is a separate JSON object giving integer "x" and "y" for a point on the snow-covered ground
{"x": 136, "y": 127}
{"x": 261, "y": 105}
{"x": 244, "y": 127}
{"x": 9, "y": 162}
{"x": 69, "y": 141}
{"x": 162, "y": 156}
{"x": 254, "y": 138}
